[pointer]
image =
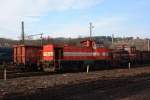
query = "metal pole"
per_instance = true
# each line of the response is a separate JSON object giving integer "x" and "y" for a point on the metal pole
{"x": 112, "y": 38}
{"x": 22, "y": 24}
{"x": 91, "y": 27}
{"x": 90, "y": 30}
{"x": 87, "y": 69}
{"x": 5, "y": 74}
{"x": 41, "y": 39}
{"x": 148, "y": 45}
{"x": 129, "y": 65}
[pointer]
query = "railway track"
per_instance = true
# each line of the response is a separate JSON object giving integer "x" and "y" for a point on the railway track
{"x": 18, "y": 73}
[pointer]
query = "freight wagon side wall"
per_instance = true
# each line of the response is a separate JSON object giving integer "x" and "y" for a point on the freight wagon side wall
{"x": 33, "y": 55}
{"x": 145, "y": 57}
{"x": 15, "y": 55}
{"x": 135, "y": 58}
{"x": 27, "y": 54}
{"x": 120, "y": 58}
{"x": 19, "y": 54}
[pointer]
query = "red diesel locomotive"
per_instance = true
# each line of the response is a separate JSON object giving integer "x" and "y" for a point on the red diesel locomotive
{"x": 75, "y": 57}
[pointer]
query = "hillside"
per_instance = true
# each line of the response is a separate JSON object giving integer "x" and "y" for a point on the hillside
{"x": 140, "y": 44}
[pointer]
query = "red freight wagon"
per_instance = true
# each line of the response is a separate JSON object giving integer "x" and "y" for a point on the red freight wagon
{"x": 27, "y": 56}
{"x": 74, "y": 57}
{"x": 145, "y": 57}
{"x": 120, "y": 57}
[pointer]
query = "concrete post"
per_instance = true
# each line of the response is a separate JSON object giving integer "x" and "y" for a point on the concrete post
{"x": 5, "y": 74}
{"x": 87, "y": 69}
{"x": 129, "y": 65}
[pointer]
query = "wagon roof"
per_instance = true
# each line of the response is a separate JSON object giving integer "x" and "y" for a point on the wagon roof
{"x": 22, "y": 45}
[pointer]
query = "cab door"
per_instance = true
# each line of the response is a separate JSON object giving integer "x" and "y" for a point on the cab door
{"x": 58, "y": 57}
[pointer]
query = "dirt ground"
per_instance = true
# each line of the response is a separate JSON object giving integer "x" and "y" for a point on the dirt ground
{"x": 116, "y": 84}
